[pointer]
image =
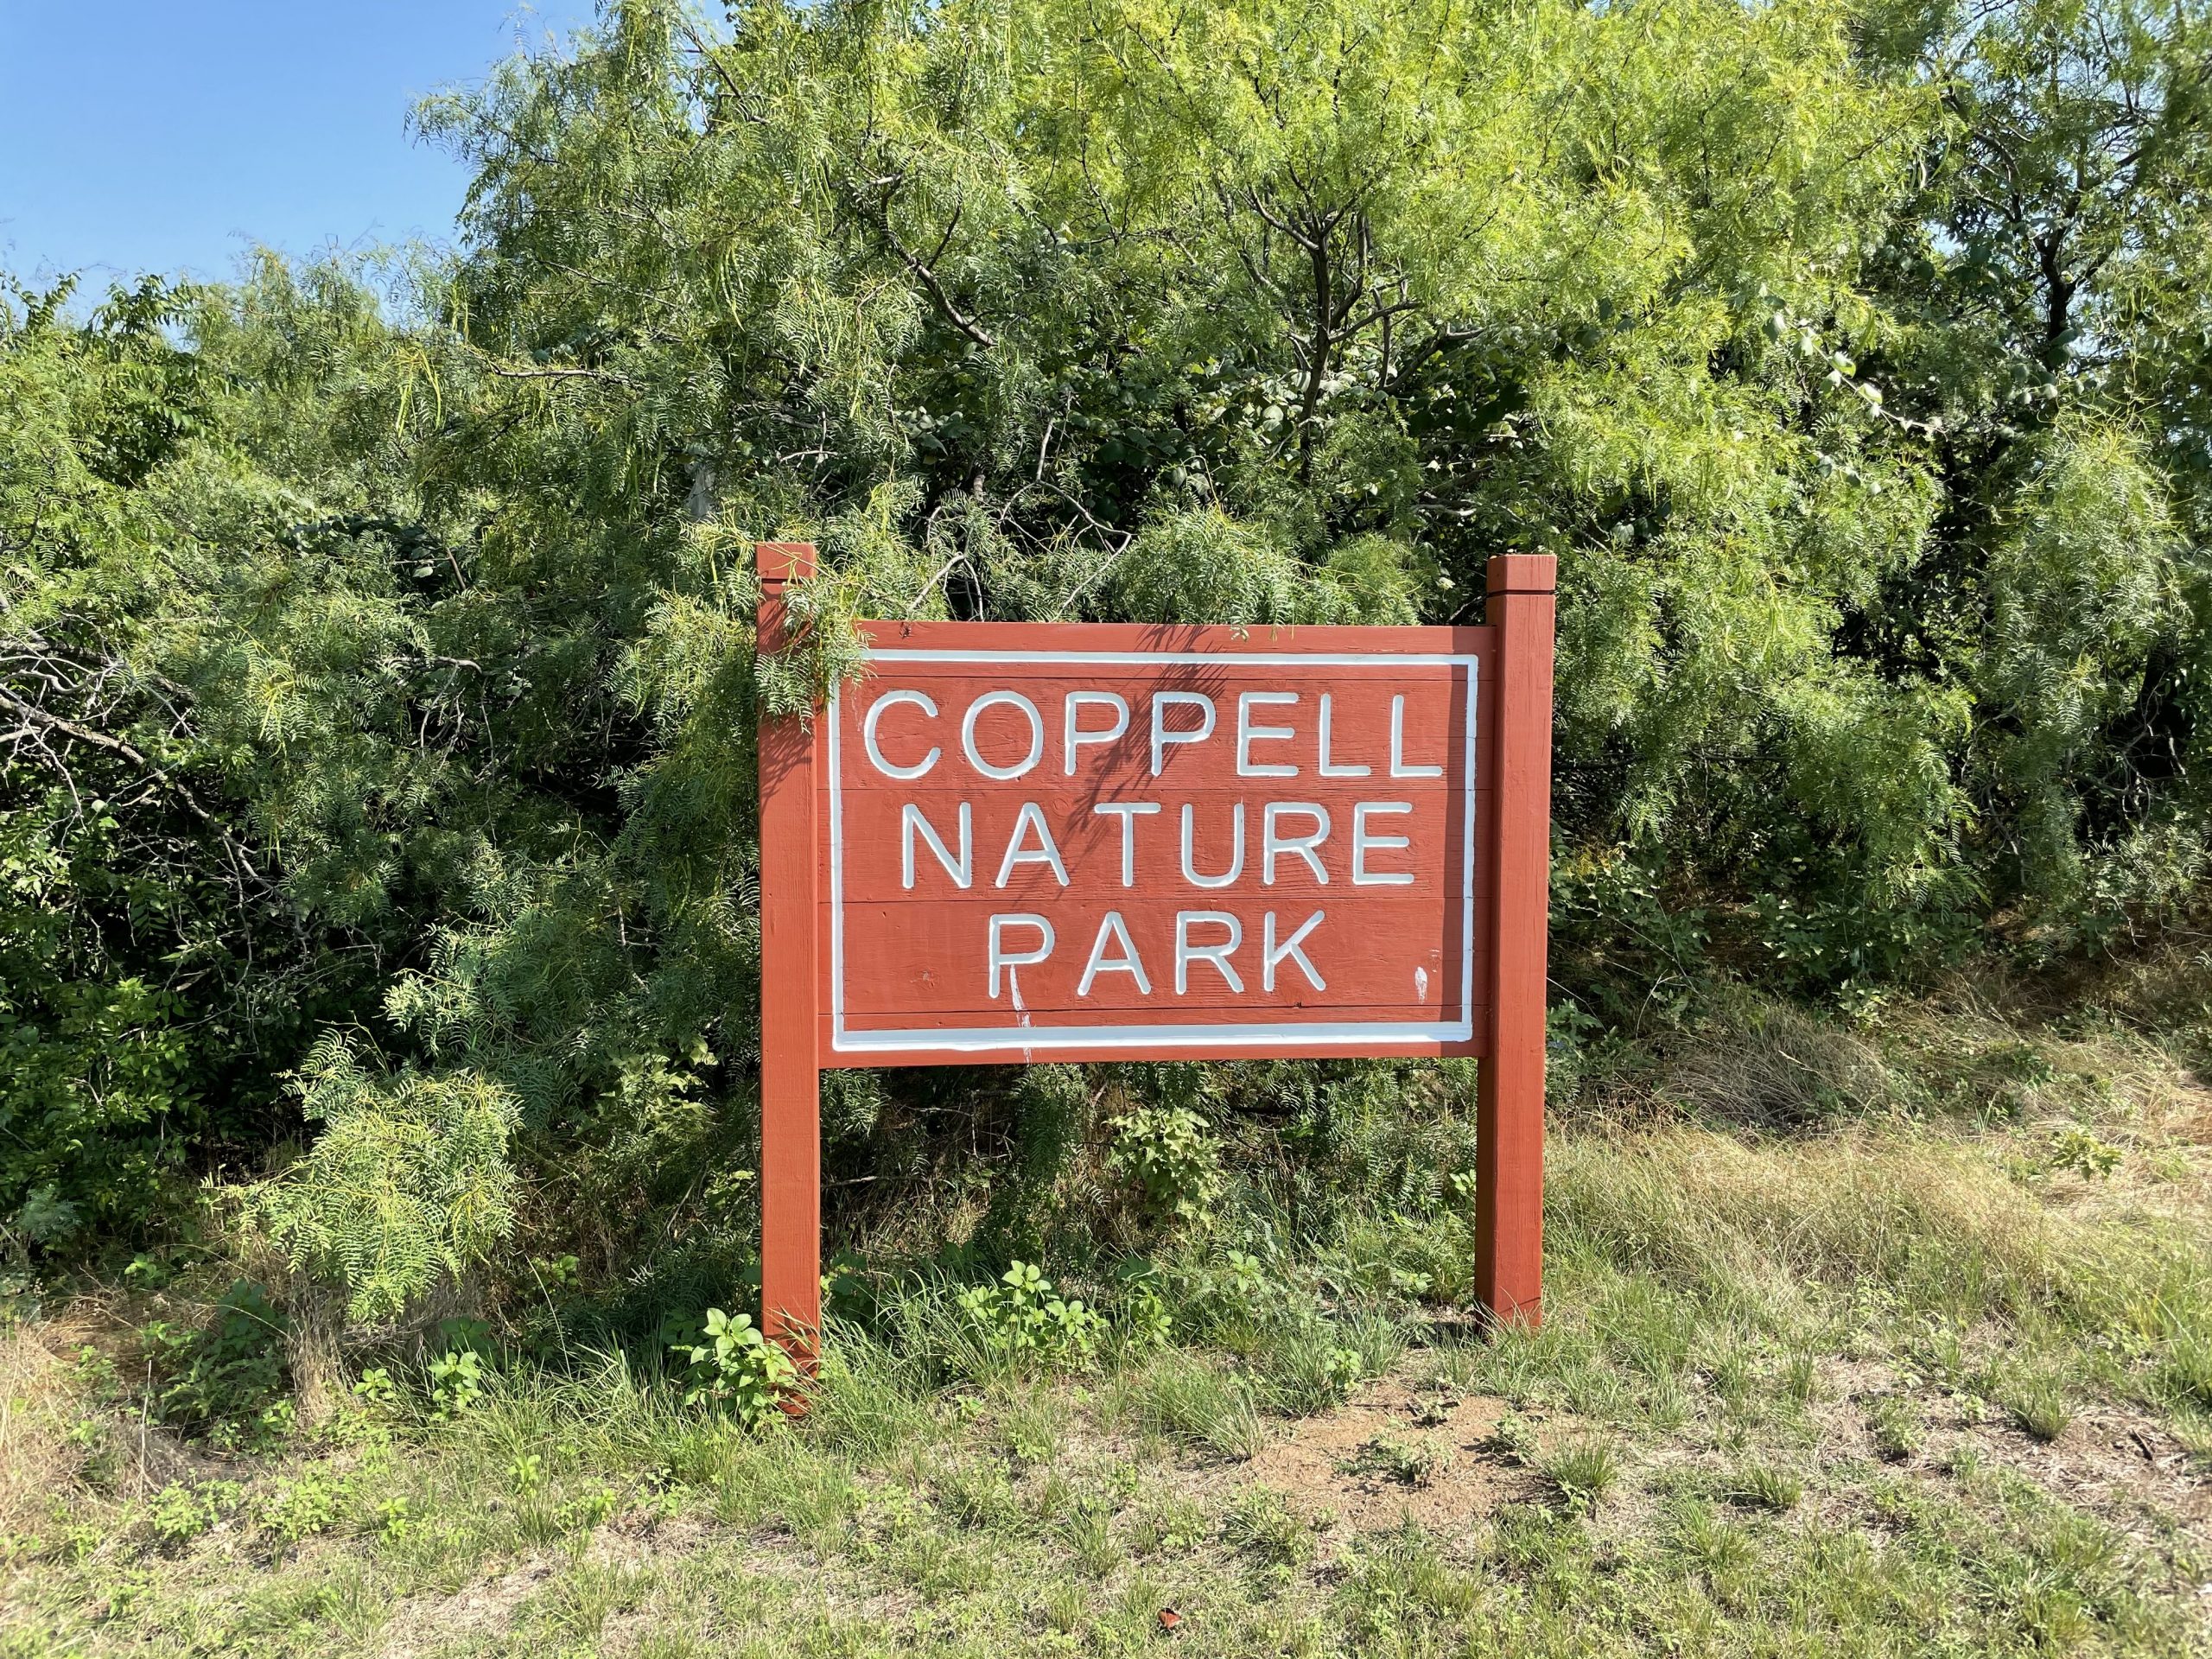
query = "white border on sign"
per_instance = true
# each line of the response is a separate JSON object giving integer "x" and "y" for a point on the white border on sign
{"x": 1106, "y": 1039}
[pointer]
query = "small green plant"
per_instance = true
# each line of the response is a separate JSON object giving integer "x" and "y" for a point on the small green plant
{"x": 395, "y": 1518}
{"x": 456, "y": 1379}
{"x": 1410, "y": 1283}
{"x": 180, "y": 1512}
{"x": 1583, "y": 1471}
{"x": 1895, "y": 1423}
{"x": 302, "y": 1507}
{"x": 376, "y": 1388}
{"x": 1394, "y": 1460}
{"x": 526, "y": 1473}
{"x": 1514, "y": 1439}
{"x": 1143, "y": 1318}
{"x": 2083, "y": 1151}
{"x": 1174, "y": 1160}
{"x": 221, "y": 1378}
{"x": 731, "y": 1366}
{"x": 2038, "y": 1404}
{"x": 1766, "y": 1486}
{"x": 1023, "y": 1319}
{"x": 587, "y": 1510}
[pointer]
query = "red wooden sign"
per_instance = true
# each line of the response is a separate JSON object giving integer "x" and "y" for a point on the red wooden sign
{"x": 1061, "y": 841}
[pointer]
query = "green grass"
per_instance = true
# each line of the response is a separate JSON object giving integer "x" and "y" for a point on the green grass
{"x": 1809, "y": 1392}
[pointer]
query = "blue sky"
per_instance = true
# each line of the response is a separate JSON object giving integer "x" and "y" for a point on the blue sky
{"x": 170, "y": 137}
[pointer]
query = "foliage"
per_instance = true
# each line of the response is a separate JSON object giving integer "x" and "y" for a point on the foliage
{"x": 735, "y": 1369}
{"x": 1169, "y": 1154}
{"x": 226, "y": 1376}
{"x": 1022, "y": 1321}
{"x": 380, "y": 674}
{"x": 409, "y": 1178}
{"x": 180, "y": 1511}
{"x": 456, "y": 1382}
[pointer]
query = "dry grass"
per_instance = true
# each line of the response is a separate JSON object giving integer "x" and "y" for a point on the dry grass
{"x": 35, "y": 1459}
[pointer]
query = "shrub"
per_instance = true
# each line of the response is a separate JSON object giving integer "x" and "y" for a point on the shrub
{"x": 223, "y": 1378}
{"x": 732, "y": 1367}
{"x": 182, "y": 1511}
{"x": 1171, "y": 1156}
{"x": 1021, "y": 1319}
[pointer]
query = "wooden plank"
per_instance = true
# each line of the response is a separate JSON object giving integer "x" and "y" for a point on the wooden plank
{"x": 790, "y": 1093}
{"x": 1510, "y": 1128}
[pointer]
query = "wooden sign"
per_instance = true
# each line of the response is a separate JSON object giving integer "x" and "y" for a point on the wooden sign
{"x": 1017, "y": 842}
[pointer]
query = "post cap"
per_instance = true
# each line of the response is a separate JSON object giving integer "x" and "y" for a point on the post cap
{"x": 1522, "y": 573}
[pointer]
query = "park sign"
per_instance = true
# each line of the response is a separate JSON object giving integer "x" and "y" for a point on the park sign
{"x": 1015, "y": 842}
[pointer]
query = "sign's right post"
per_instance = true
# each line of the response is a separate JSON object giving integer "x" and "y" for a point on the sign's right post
{"x": 1509, "y": 1151}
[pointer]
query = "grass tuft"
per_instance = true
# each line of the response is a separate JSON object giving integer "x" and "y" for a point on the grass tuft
{"x": 1766, "y": 1486}
{"x": 1582, "y": 1470}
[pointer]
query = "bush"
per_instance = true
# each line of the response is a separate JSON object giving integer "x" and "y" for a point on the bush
{"x": 733, "y": 1368}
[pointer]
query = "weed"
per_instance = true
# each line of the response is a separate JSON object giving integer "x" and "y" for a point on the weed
{"x": 394, "y": 1517}
{"x": 1022, "y": 1321}
{"x": 733, "y": 1367}
{"x": 1514, "y": 1439}
{"x": 526, "y": 1473}
{"x": 586, "y": 1511}
{"x": 456, "y": 1379}
{"x": 1310, "y": 1373}
{"x": 1171, "y": 1156}
{"x": 1033, "y": 1431}
{"x": 1764, "y": 1486}
{"x": 1801, "y": 1379}
{"x": 1394, "y": 1460}
{"x": 1063, "y": 1606}
{"x": 180, "y": 1512}
{"x": 1182, "y": 1395}
{"x": 1261, "y": 1525}
{"x": 376, "y": 1388}
{"x": 2187, "y": 1372}
{"x": 302, "y": 1507}
{"x": 2038, "y": 1404}
{"x": 220, "y": 1380}
{"x": 1582, "y": 1470}
{"x": 2083, "y": 1151}
{"x": 1894, "y": 1421}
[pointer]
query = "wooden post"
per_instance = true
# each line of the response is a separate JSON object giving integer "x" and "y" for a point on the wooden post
{"x": 790, "y": 1075}
{"x": 1510, "y": 1122}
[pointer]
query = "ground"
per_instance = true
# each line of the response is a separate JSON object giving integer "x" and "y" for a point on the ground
{"x": 1894, "y": 1338}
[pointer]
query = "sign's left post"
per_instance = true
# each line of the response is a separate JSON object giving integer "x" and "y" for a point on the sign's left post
{"x": 791, "y": 1073}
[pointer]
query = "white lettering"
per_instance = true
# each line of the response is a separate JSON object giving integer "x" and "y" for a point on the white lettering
{"x": 1010, "y": 700}
{"x": 1161, "y": 737}
{"x": 1398, "y": 766}
{"x": 1247, "y": 734}
{"x": 891, "y": 700}
{"x": 1003, "y": 957}
{"x": 1273, "y": 955}
{"x": 1128, "y": 963}
{"x": 962, "y": 870}
{"x": 1219, "y": 955}
{"x": 1129, "y": 812}
{"x": 1273, "y": 842}
{"x": 1236, "y": 857}
{"x": 1328, "y": 769}
{"x": 1076, "y": 735}
{"x": 1046, "y": 852}
{"x": 1362, "y": 843}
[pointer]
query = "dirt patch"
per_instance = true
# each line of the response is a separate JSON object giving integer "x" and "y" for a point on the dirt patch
{"x": 1391, "y": 1452}
{"x": 422, "y": 1624}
